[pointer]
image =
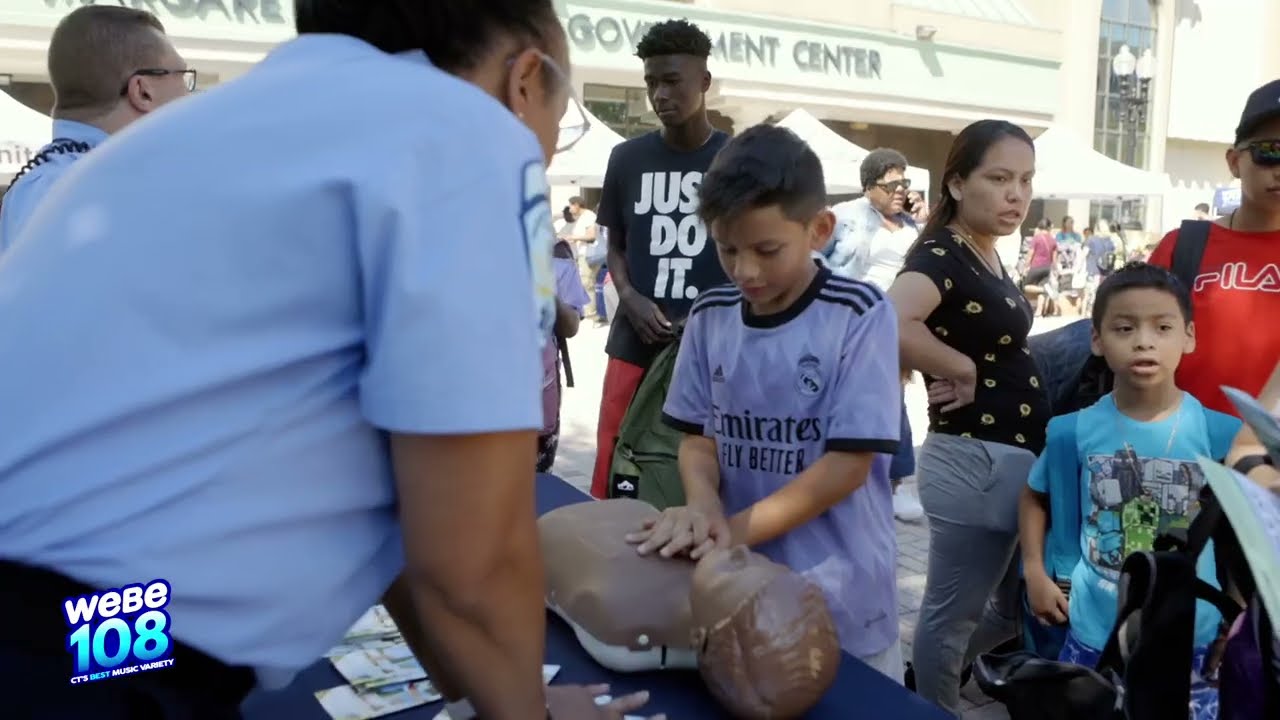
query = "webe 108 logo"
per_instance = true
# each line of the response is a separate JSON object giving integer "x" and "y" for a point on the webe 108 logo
{"x": 119, "y": 632}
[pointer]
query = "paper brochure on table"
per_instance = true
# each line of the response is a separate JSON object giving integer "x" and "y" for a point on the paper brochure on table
{"x": 378, "y": 666}
{"x": 348, "y": 703}
{"x": 384, "y": 675}
{"x": 376, "y": 622}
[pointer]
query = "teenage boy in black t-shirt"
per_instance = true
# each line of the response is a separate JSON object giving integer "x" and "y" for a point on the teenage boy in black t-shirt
{"x": 660, "y": 256}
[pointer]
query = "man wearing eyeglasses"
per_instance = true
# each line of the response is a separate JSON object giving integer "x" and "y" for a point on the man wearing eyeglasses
{"x": 108, "y": 65}
{"x": 1239, "y": 273}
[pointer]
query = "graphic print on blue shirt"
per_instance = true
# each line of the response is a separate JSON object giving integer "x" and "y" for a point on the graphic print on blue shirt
{"x": 776, "y": 393}
{"x": 1137, "y": 481}
{"x": 651, "y": 193}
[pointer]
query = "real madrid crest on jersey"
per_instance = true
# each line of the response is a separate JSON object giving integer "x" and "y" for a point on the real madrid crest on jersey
{"x": 809, "y": 376}
{"x": 539, "y": 238}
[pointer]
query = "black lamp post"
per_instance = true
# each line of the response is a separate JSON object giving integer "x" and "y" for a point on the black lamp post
{"x": 1132, "y": 83}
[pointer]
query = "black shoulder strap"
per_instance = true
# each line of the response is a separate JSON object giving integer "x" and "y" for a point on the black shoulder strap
{"x": 563, "y": 345}
{"x": 1188, "y": 251}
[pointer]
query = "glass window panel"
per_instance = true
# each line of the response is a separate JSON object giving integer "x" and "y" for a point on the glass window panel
{"x": 1140, "y": 12}
{"x": 610, "y": 113}
{"x": 1104, "y": 75}
{"x": 594, "y": 91}
{"x": 1115, "y": 115}
{"x": 1114, "y": 9}
{"x": 1099, "y": 140}
{"x": 1111, "y": 147}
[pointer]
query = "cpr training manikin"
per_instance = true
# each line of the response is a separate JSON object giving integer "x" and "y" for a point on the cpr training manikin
{"x": 760, "y": 635}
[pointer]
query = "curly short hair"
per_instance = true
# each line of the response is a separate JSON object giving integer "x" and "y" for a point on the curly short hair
{"x": 878, "y": 163}
{"x": 674, "y": 37}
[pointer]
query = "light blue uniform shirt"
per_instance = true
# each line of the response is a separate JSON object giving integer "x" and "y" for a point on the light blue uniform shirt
{"x": 23, "y": 196}
{"x": 208, "y": 324}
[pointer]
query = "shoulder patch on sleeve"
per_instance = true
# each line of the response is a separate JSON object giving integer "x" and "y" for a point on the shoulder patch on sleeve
{"x": 539, "y": 242}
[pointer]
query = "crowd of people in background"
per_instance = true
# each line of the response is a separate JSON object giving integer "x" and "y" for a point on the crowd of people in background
{"x": 294, "y": 366}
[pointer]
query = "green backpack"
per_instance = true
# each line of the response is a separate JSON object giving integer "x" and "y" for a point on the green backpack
{"x": 644, "y": 461}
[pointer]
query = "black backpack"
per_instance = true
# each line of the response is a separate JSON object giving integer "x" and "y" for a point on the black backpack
{"x": 1075, "y": 378}
{"x": 1144, "y": 672}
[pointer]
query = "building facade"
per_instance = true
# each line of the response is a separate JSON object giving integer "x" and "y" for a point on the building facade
{"x": 901, "y": 73}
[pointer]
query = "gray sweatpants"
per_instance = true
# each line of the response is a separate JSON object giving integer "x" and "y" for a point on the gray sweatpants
{"x": 969, "y": 490}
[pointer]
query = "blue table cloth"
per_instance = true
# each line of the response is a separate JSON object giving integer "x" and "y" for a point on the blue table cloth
{"x": 858, "y": 692}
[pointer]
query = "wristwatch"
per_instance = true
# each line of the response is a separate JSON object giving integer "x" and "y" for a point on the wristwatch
{"x": 1246, "y": 464}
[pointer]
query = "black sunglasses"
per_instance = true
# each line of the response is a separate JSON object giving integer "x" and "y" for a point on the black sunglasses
{"x": 1265, "y": 153}
{"x": 188, "y": 77}
{"x": 893, "y": 185}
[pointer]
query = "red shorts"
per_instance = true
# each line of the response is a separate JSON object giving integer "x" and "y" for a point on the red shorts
{"x": 621, "y": 380}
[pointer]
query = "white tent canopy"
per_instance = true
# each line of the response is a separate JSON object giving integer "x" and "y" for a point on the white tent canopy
{"x": 23, "y": 132}
{"x": 584, "y": 163}
{"x": 1067, "y": 166}
{"x": 841, "y": 159}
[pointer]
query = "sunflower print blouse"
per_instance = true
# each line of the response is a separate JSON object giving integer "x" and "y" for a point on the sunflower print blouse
{"x": 988, "y": 319}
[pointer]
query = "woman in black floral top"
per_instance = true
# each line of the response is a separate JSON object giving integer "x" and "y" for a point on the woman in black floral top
{"x": 964, "y": 325}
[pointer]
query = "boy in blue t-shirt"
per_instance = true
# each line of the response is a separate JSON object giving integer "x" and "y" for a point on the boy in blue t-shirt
{"x": 787, "y": 387}
{"x": 1130, "y": 460}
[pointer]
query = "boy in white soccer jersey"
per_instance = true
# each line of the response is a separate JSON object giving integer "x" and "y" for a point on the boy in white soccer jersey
{"x": 787, "y": 387}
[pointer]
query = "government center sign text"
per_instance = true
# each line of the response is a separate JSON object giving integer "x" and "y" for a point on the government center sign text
{"x": 750, "y": 49}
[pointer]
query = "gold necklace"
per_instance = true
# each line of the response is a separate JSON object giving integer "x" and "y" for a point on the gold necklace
{"x": 968, "y": 242}
{"x": 1173, "y": 433}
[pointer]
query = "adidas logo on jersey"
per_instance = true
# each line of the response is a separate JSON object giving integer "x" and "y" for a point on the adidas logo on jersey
{"x": 718, "y": 375}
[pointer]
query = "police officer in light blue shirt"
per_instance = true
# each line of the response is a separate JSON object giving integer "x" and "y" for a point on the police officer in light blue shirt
{"x": 108, "y": 66}
{"x": 240, "y": 356}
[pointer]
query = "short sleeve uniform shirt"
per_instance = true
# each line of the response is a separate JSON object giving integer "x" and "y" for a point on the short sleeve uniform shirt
{"x": 221, "y": 312}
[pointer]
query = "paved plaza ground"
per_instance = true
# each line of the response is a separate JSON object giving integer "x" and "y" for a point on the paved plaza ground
{"x": 577, "y": 453}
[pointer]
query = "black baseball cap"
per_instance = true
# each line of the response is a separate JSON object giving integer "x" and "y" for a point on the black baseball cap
{"x": 1263, "y": 105}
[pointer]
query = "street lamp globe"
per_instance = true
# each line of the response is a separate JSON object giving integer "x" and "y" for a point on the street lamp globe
{"x": 1124, "y": 63}
{"x": 1146, "y": 67}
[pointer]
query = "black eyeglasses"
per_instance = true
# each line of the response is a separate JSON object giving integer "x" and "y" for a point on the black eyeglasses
{"x": 1263, "y": 152}
{"x": 188, "y": 77}
{"x": 893, "y": 185}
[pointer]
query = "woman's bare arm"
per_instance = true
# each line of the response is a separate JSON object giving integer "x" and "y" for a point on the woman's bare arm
{"x": 915, "y": 297}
